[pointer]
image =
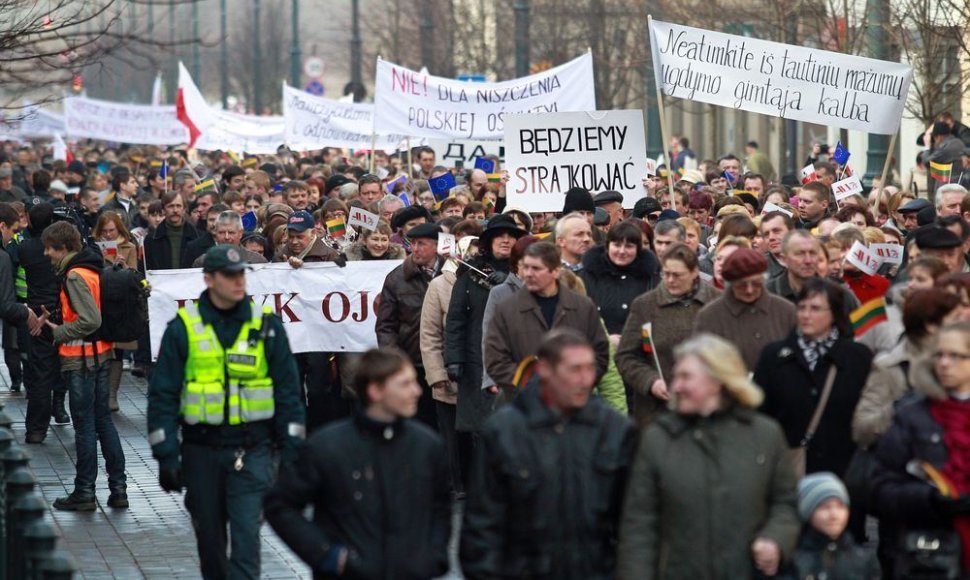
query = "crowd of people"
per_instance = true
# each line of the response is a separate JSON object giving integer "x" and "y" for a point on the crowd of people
{"x": 700, "y": 384}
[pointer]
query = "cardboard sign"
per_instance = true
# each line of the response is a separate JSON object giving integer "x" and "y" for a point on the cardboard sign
{"x": 363, "y": 218}
{"x": 446, "y": 244}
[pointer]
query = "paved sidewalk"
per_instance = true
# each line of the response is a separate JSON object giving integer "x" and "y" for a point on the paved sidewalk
{"x": 151, "y": 539}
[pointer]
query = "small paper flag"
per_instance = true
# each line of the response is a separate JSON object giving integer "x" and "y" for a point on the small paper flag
{"x": 647, "y": 337}
{"x": 250, "y": 221}
{"x": 841, "y": 155}
{"x": 940, "y": 171}
{"x": 485, "y": 164}
{"x": 337, "y": 228}
{"x": 441, "y": 186}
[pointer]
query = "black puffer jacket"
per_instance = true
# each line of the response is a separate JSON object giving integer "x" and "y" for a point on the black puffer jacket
{"x": 612, "y": 288}
{"x": 818, "y": 556}
{"x": 380, "y": 490}
{"x": 546, "y": 494}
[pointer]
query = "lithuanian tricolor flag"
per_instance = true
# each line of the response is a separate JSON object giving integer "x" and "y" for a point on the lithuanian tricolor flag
{"x": 940, "y": 171}
{"x": 647, "y": 335}
{"x": 524, "y": 372}
{"x": 868, "y": 315}
{"x": 337, "y": 228}
{"x": 494, "y": 177}
{"x": 207, "y": 185}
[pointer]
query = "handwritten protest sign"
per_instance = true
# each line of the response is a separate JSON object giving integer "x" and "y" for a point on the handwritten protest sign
{"x": 312, "y": 122}
{"x": 363, "y": 218}
{"x": 782, "y": 80}
{"x": 138, "y": 124}
{"x": 548, "y": 154}
{"x": 422, "y": 105}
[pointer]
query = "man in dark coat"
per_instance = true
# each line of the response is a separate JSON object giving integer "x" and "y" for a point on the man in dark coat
{"x": 166, "y": 248}
{"x": 548, "y": 481}
{"x": 198, "y": 247}
{"x": 378, "y": 483}
{"x": 463, "y": 328}
{"x": 399, "y": 312}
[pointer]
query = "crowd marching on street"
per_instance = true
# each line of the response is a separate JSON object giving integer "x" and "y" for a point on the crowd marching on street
{"x": 722, "y": 377}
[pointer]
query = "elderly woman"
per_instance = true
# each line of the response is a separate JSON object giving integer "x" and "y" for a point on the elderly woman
{"x": 671, "y": 308}
{"x": 922, "y": 481}
{"x": 712, "y": 491}
{"x": 375, "y": 245}
{"x": 726, "y": 247}
{"x": 616, "y": 273}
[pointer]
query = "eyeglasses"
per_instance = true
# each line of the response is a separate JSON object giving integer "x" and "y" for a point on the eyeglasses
{"x": 957, "y": 356}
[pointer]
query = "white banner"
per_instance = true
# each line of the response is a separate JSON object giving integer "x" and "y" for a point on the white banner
{"x": 242, "y": 133}
{"x": 422, "y": 105}
{"x": 313, "y": 122}
{"x": 546, "y": 155}
{"x": 323, "y": 307}
{"x": 781, "y": 80}
{"x": 137, "y": 124}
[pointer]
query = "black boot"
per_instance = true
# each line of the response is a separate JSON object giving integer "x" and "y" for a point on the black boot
{"x": 57, "y": 410}
{"x": 76, "y": 503}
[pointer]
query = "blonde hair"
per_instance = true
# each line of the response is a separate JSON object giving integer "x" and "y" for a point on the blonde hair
{"x": 873, "y": 235}
{"x": 738, "y": 241}
{"x": 723, "y": 363}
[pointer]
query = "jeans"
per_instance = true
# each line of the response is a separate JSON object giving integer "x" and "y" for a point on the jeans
{"x": 217, "y": 494}
{"x": 89, "y": 389}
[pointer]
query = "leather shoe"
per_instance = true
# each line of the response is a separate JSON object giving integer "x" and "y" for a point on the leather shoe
{"x": 76, "y": 503}
{"x": 35, "y": 438}
{"x": 118, "y": 500}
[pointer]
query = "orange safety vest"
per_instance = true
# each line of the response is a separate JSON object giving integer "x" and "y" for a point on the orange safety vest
{"x": 82, "y": 348}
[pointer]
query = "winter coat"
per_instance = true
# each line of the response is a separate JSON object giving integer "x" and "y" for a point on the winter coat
{"x": 379, "y": 490}
{"x": 434, "y": 313}
{"x": 158, "y": 251}
{"x": 703, "y": 489}
{"x": 463, "y": 340}
{"x": 781, "y": 286}
{"x": 749, "y": 326}
{"x": 792, "y": 393}
{"x": 496, "y": 296}
{"x": 818, "y": 556}
{"x": 399, "y": 312}
{"x": 610, "y": 385}
{"x": 612, "y": 288}
{"x": 319, "y": 252}
{"x": 888, "y": 383}
{"x": 673, "y": 322}
{"x": 198, "y": 247}
{"x": 518, "y": 327}
{"x": 545, "y": 496}
{"x": 127, "y": 215}
{"x": 358, "y": 252}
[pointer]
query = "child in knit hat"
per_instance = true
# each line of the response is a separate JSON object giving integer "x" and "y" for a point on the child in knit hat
{"x": 826, "y": 549}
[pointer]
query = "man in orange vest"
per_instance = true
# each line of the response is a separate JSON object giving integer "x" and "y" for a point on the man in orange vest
{"x": 84, "y": 363}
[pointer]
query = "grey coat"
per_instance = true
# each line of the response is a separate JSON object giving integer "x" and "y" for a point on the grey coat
{"x": 749, "y": 326}
{"x": 496, "y": 296}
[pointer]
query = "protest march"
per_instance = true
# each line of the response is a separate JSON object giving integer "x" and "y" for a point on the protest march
{"x": 484, "y": 334}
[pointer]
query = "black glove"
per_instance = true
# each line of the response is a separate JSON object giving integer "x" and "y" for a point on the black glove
{"x": 497, "y": 277}
{"x": 340, "y": 260}
{"x": 170, "y": 479}
{"x": 951, "y": 506}
{"x": 454, "y": 372}
{"x": 334, "y": 562}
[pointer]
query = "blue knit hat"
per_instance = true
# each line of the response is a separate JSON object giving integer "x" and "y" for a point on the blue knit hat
{"x": 816, "y": 488}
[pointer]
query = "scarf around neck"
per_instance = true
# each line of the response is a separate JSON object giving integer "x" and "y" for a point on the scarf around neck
{"x": 813, "y": 350}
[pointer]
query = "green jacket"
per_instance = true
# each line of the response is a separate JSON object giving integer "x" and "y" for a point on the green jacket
{"x": 611, "y": 386}
{"x": 702, "y": 490}
{"x": 285, "y": 429}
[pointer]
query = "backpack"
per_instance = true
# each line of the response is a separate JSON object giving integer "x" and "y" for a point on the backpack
{"x": 124, "y": 304}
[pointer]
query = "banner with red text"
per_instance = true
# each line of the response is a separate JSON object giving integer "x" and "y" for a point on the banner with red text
{"x": 324, "y": 308}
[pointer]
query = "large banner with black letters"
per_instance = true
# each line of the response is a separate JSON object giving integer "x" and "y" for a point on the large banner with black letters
{"x": 782, "y": 80}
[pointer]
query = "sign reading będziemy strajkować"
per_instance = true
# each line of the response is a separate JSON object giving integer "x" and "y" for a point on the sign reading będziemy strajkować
{"x": 781, "y": 80}
{"x": 547, "y": 154}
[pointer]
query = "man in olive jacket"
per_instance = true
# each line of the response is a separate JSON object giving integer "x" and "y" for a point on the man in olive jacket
{"x": 547, "y": 485}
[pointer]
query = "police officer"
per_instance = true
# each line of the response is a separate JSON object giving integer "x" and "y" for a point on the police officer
{"x": 226, "y": 377}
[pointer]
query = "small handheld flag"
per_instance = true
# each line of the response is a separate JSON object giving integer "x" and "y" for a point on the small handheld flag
{"x": 441, "y": 186}
{"x": 250, "y": 221}
{"x": 404, "y": 197}
{"x": 337, "y": 228}
{"x": 732, "y": 179}
{"x": 206, "y": 186}
{"x": 485, "y": 164}
{"x": 495, "y": 178}
{"x": 940, "y": 171}
{"x": 401, "y": 179}
{"x": 841, "y": 154}
{"x": 647, "y": 338}
{"x": 808, "y": 174}
{"x": 868, "y": 315}
{"x": 524, "y": 372}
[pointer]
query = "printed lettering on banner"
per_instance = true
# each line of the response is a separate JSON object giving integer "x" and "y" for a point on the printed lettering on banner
{"x": 137, "y": 124}
{"x": 547, "y": 154}
{"x": 449, "y": 152}
{"x": 312, "y": 122}
{"x": 446, "y": 244}
{"x": 771, "y": 206}
{"x": 781, "y": 80}
{"x": 421, "y": 105}
{"x": 846, "y": 187}
{"x": 324, "y": 308}
{"x": 363, "y": 218}
{"x": 860, "y": 257}
{"x": 888, "y": 253}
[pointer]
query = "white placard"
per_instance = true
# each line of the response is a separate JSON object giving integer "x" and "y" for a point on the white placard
{"x": 771, "y": 206}
{"x": 860, "y": 257}
{"x": 324, "y": 308}
{"x": 242, "y": 133}
{"x": 137, "y": 124}
{"x": 363, "y": 218}
{"x": 651, "y": 167}
{"x": 313, "y": 122}
{"x": 781, "y": 80}
{"x": 418, "y": 104}
{"x": 848, "y": 186}
{"x": 887, "y": 253}
{"x": 446, "y": 244}
{"x": 548, "y": 154}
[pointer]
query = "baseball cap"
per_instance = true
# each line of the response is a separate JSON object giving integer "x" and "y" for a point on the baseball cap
{"x": 300, "y": 221}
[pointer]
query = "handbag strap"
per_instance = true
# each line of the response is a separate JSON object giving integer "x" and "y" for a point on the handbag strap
{"x": 820, "y": 408}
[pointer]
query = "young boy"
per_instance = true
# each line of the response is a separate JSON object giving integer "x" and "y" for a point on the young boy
{"x": 826, "y": 549}
{"x": 378, "y": 483}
